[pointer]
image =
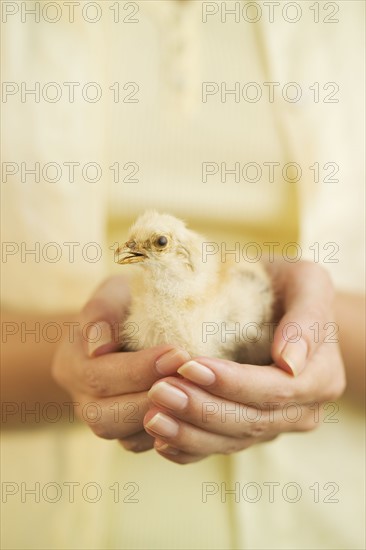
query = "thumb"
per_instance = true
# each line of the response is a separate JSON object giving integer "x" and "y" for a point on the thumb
{"x": 102, "y": 315}
{"x": 308, "y": 304}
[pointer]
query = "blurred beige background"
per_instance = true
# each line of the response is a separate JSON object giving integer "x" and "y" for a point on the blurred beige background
{"x": 168, "y": 133}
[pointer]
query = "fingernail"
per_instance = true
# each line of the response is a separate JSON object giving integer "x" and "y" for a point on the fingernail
{"x": 163, "y": 425}
{"x": 167, "y": 449}
{"x": 169, "y": 362}
{"x": 168, "y": 395}
{"x": 295, "y": 354}
{"x": 99, "y": 335}
{"x": 197, "y": 373}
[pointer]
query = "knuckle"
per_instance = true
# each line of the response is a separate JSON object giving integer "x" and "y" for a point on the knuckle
{"x": 187, "y": 442}
{"x": 256, "y": 430}
{"x": 302, "y": 390}
{"x": 101, "y": 429}
{"x": 134, "y": 445}
{"x": 334, "y": 389}
{"x": 134, "y": 373}
{"x": 284, "y": 393}
{"x": 94, "y": 381}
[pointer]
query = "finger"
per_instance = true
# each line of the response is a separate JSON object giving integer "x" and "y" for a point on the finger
{"x": 187, "y": 402}
{"x": 233, "y": 381}
{"x": 267, "y": 386}
{"x": 175, "y": 455}
{"x": 138, "y": 443}
{"x": 102, "y": 316}
{"x": 114, "y": 418}
{"x": 308, "y": 304}
{"x": 186, "y": 438}
{"x": 121, "y": 373}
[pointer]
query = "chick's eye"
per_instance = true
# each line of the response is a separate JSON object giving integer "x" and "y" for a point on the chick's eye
{"x": 162, "y": 241}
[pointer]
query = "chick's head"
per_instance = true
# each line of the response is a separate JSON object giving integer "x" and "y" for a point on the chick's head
{"x": 161, "y": 241}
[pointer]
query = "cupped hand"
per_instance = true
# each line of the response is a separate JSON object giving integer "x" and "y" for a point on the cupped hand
{"x": 109, "y": 388}
{"x": 220, "y": 406}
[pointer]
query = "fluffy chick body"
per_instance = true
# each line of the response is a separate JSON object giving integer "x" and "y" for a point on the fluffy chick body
{"x": 212, "y": 308}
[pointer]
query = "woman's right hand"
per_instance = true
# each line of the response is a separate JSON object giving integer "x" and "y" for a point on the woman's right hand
{"x": 109, "y": 388}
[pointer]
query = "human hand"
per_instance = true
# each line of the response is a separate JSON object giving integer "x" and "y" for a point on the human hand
{"x": 109, "y": 388}
{"x": 223, "y": 407}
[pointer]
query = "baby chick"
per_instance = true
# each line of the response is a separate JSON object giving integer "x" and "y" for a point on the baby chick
{"x": 211, "y": 308}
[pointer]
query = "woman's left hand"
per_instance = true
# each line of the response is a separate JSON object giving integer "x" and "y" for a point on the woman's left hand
{"x": 223, "y": 407}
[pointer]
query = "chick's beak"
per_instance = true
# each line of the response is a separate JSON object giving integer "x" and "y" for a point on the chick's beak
{"x": 130, "y": 253}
